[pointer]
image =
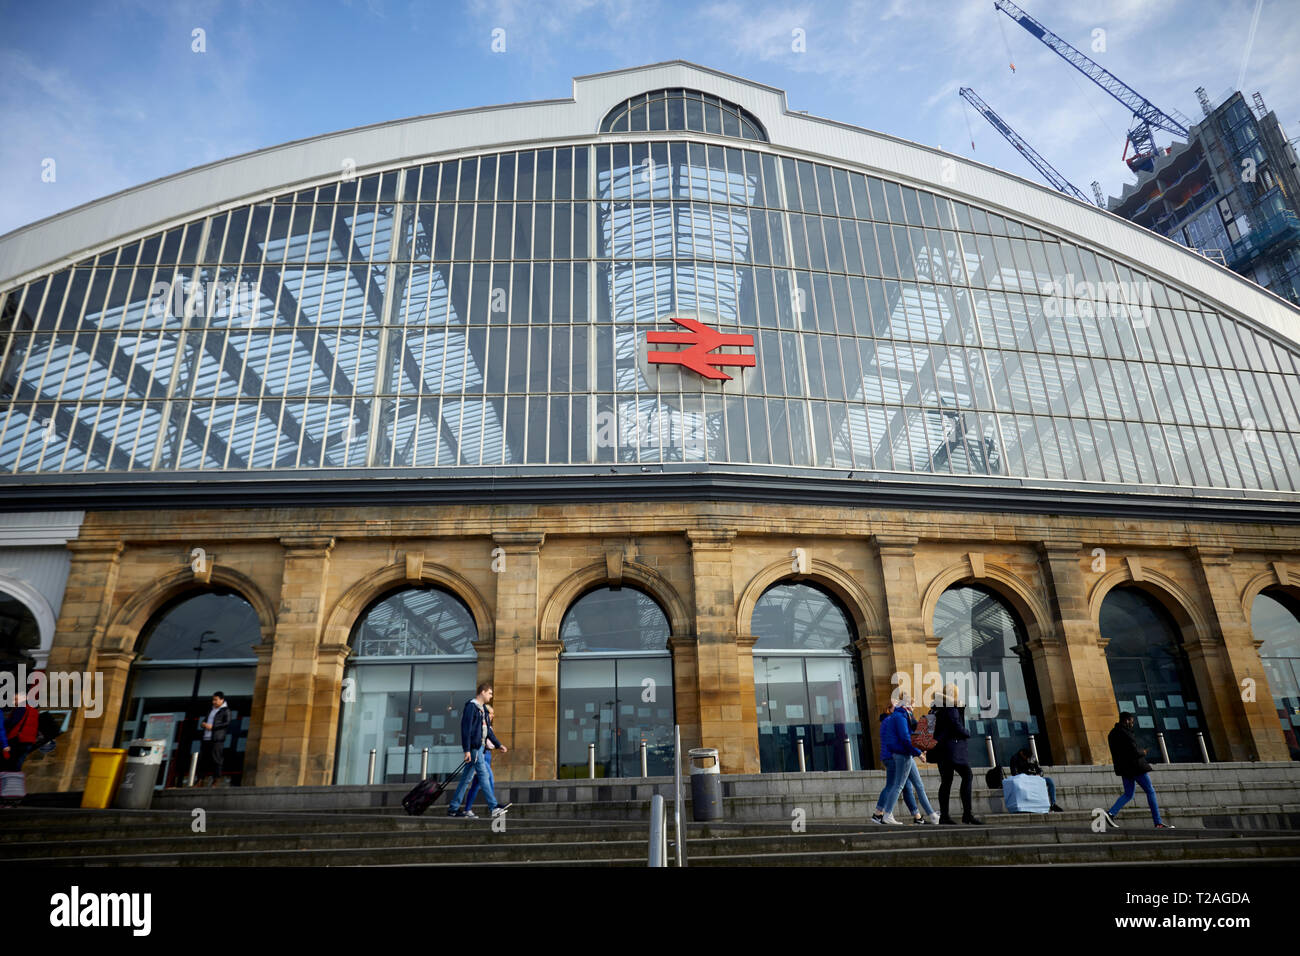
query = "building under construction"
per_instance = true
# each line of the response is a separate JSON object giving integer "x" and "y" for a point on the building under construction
{"x": 1230, "y": 192}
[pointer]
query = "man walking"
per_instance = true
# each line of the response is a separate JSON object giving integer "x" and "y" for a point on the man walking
{"x": 1132, "y": 767}
{"x": 212, "y": 752}
{"x": 474, "y": 787}
{"x": 475, "y": 734}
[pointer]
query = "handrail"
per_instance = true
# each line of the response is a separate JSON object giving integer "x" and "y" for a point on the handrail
{"x": 677, "y": 792}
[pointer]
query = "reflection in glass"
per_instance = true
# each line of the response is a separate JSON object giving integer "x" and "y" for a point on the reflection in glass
{"x": 908, "y": 333}
{"x": 982, "y": 651}
{"x": 401, "y": 708}
{"x": 1151, "y": 675}
{"x": 1275, "y": 620}
{"x": 806, "y": 686}
{"x": 616, "y": 685}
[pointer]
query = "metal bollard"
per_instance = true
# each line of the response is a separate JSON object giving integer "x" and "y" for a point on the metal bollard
{"x": 988, "y": 743}
{"x": 424, "y": 763}
{"x": 1164, "y": 751}
{"x": 644, "y": 765}
{"x": 194, "y": 766}
{"x": 803, "y": 763}
{"x": 591, "y": 761}
{"x": 1205, "y": 754}
{"x": 1033, "y": 748}
{"x": 370, "y": 774}
{"x": 658, "y": 832}
{"x": 848, "y": 754}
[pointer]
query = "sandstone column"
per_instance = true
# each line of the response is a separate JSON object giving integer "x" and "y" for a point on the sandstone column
{"x": 1075, "y": 684}
{"x": 727, "y": 713}
{"x": 79, "y": 646}
{"x": 1223, "y": 662}
{"x": 520, "y": 721}
{"x": 286, "y": 736}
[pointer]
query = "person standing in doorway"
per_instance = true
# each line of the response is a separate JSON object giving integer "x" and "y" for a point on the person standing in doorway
{"x": 475, "y": 734}
{"x": 950, "y": 751}
{"x": 1132, "y": 767}
{"x": 212, "y": 751}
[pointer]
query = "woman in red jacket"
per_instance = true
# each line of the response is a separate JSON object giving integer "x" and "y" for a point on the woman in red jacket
{"x": 19, "y": 733}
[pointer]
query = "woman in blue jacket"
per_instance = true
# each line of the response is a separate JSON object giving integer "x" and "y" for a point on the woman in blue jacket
{"x": 897, "y": 753}
{"x": 950, "y": 751}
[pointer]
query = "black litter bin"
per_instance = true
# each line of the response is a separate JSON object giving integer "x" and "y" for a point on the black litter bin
{"x": 143, "y": 760}
{"x": 706, "y": 784}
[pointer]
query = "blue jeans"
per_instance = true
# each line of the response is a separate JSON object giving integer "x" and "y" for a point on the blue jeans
{"x": 474, "y": 787}
{"x": 898, "y": 771}
{"x": 1145, "y": 782}
{"x": 480, "y": 771}
{"x": 912, "y": 785}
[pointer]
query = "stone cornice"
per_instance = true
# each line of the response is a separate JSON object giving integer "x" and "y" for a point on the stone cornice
{"x": 519, "y": 542}
{"x": 305, "y": 546}
{"x": 105, "y": 550}
{"x": 895, "y": 545}
{"x": 1211, "y": 554}
{"x": 710, "y": 539}
{"x": 1052, "y": 548}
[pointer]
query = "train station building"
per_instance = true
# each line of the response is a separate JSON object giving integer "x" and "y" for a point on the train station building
{"x": 657, "y": 404}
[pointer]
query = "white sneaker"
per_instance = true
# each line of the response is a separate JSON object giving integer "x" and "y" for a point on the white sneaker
{"x": 500, "y": 811}
{"x": 889, "y": 818}
{"x": 934, "y": 818}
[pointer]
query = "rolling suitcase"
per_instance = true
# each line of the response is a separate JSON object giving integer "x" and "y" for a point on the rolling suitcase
{"x": 13, "y": 786}
{"x": 425, "y": 793}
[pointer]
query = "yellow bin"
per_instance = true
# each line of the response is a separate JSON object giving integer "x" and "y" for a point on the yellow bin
{"x": 106, "y": 765}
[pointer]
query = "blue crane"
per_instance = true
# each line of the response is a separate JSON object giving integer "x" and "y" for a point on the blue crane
{"x": 1027, "y": 151}
{"x": 1147, "y": 114}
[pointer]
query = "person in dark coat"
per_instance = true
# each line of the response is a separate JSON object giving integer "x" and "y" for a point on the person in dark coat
{"x": 951, "y": 735}
{"x": 212, "y": 749}
{"x": 1132, "y": 767}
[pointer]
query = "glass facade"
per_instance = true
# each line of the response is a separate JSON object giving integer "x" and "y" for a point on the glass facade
{"x": 195, "y": 645}
{"x": 682, "y": 110}
{"x": 412, "y": 669}
{"x": 1151, "y": 675}
{"x": 489, "y": 310}
{"x": 806, "y": 685}
{"x": 616, "y": 685}
{"x": 1275, "y": 620}
{"x": 982, "y": 651}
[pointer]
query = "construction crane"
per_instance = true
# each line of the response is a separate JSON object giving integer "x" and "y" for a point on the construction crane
{"x": 1025, "y": 150}
{"x": 1147, "y": 114}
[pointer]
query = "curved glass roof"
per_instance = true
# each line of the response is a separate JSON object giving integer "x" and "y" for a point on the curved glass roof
{"x": 678, "y": 109}
{"x": 493, "y": 310}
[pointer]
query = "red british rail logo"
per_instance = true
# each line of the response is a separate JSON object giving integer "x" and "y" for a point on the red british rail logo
{"x": 700, "y": 357}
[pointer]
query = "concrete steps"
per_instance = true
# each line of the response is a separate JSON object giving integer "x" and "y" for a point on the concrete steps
{"x": 145, "y": 838}
{"x": 1245, "y": 814}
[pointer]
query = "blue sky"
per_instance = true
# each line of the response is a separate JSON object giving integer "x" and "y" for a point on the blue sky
{"x": 114, "y": 94}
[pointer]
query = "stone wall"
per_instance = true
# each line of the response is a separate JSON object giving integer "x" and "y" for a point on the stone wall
{"x": 310, "y": 573}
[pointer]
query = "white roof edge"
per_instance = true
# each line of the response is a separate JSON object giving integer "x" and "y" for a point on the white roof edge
{"x": 62, "y": 239}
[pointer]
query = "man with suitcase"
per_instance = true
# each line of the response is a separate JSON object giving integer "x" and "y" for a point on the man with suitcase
{"x": 475, "y": 732}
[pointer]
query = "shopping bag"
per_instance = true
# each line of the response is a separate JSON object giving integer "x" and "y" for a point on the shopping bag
{"x": 1025, "y": 793}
